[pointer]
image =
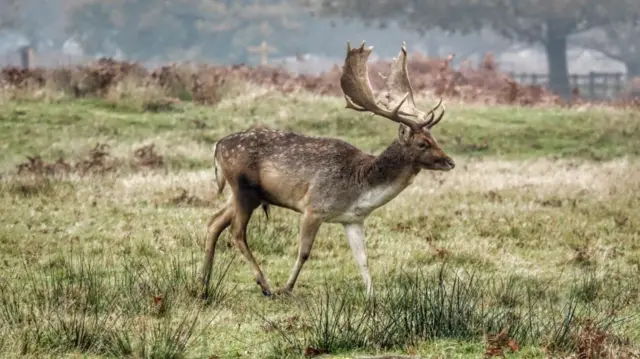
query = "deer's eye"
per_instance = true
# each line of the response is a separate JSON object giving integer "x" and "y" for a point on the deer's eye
{"x": 422, "y": 146}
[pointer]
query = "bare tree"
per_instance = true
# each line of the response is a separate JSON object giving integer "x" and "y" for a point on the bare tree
{"x": 545, "y": 22}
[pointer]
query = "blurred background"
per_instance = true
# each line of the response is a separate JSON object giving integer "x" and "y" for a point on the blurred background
{"x": 110, "y": 109}
{"x": 557, "y": 44}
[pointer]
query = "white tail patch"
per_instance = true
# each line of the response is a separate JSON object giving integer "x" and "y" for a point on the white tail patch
{"x": 219, "y": 181}
{"x": 215, "y": 165}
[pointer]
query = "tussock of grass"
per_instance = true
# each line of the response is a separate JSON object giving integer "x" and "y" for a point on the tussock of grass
{"x": 33, "y": 186}
{"x": 144, "y": 308}
{"x": 413, "y": 308}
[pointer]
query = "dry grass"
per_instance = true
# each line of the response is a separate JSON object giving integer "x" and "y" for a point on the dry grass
{"x": 126, "y": 244}
{"x": 156, "y": 89}
{"x": 533, "y": 232}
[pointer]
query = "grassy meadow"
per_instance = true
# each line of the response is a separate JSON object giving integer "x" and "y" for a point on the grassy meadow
{"x": 530, "y": 246}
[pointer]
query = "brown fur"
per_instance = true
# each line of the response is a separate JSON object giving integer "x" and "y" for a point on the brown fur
{"x": 326, "y": 180}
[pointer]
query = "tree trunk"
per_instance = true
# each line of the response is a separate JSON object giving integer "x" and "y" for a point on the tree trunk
{"x": 633, "y": 68}
{"x": 556, "y": 48}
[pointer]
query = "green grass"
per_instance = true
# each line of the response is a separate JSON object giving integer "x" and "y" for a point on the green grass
{"x": 536, "y": 234}
{"x": 67, "y": 128}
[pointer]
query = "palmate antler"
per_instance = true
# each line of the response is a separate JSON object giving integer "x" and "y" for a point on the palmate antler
{"x": 397, "y": 90}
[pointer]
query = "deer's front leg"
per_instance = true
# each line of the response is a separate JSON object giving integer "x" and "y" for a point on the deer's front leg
{"x": 309, "y": 225}
{"x": 355, "y": 236}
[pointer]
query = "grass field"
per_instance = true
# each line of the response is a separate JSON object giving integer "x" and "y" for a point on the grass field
{"x": 536, "y": 231}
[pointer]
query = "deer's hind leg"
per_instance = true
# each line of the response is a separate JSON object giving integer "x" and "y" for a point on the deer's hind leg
{"x": 245, "y": 203}
{"x": 218, "y": 223}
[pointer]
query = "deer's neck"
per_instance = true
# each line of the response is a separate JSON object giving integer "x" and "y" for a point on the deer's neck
{"x": 379, "y": 180}
{"x": 394, "y": 167}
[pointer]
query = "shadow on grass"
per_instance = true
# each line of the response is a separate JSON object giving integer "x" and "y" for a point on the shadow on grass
{"x": 412, "y": 308}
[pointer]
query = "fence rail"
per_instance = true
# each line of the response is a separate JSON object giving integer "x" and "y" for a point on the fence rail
{"x": 592, "y": 85}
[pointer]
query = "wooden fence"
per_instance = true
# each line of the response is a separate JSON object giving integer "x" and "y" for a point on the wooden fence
{"x": 593, "y": 85}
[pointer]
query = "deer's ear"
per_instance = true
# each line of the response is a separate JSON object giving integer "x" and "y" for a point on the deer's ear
{"x": 404, "y": 134}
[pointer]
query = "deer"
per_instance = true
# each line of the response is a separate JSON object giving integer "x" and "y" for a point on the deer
{"x": 325, "y": 180}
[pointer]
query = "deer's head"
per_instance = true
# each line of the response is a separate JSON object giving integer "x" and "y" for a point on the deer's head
{"x": 395, "y": 103}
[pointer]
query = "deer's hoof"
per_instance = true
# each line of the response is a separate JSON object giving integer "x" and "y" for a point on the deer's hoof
{"x": 266, "y": 292}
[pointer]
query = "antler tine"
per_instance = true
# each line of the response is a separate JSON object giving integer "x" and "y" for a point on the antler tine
{"x": 438, "y": 119}
{"x": 397, "y": 83}
{"x": 428, "y": 123}
{"x": 358, "y": 93}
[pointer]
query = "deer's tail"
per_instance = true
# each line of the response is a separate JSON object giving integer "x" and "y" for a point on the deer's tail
{"x": 219, "y": 178}
{"x": 221, "y": 182}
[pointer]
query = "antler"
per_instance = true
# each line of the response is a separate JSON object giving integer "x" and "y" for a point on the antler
{"x": 359, "y": 95}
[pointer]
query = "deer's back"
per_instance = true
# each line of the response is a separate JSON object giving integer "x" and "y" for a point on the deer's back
{"x": 284, "y": 166}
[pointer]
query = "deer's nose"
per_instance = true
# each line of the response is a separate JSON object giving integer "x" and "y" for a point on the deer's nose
{"x": 450, "y": 162}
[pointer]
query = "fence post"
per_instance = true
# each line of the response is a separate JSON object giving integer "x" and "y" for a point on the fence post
{"x": 26, "y": 57}
{"x": 575, "y": 82}
{"x": 592, "y": 85}
{"x": 618, "y": 83}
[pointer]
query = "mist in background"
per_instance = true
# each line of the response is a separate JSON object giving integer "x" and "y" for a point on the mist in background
{"x": 310, "y": 36}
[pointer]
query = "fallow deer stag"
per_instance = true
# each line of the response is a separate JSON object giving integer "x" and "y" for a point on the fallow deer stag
{"x": 326, "y": 180}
